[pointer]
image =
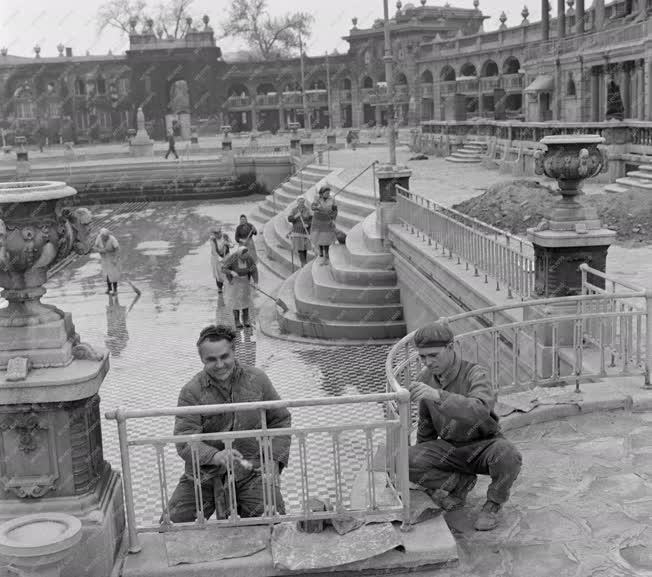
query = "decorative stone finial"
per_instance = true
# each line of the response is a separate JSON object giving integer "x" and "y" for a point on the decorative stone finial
{"x": 88, "y": 52}
{"x": 570, "y": 3}
{"x": 354, "y": 21}
{"x": 60, "y": 48}
{"x": 150, "y": 24}
{"x": 525, "y": 13}
{"x": 110, "y": 52}
{"x": 132, "y": 23}
{"x": 37, "y": 51}
{"x": 188, "y": 21}
{"x": 399, "y": 5}
{"x": 503, "y": 19}
{"x": 476, "y": 3}
{"x": 423, "y": 2}
{"x": 3, "y": 51}
{"x": 205, "y": 19}
{"x": 159, "y": 31}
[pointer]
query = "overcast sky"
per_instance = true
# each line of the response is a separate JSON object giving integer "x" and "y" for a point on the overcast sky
{"x": 74, "y": 22}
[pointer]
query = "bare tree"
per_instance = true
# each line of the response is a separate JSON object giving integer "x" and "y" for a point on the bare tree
{"x": 117, "y": 13}
{"x": 169, "y": 22}
{"x": 265, "y": 35}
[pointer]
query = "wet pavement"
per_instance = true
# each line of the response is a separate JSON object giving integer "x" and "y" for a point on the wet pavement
{"x": 582, "y": 505}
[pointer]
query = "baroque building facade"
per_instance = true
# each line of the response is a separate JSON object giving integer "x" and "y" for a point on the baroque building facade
{"x": 446, "y": 67}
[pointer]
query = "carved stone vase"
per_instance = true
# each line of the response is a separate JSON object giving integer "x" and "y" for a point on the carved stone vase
{"x": 572, "y": 233}
{"x": 39, "y": 228}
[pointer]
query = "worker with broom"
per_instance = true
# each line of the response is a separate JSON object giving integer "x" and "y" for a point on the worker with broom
{"x": 107, "y": 245}
{"x": 244, "y": 234}
{"x": 322, "y": 232}
{"x": 240, "y": 268}
{"x": 301, "y": 219}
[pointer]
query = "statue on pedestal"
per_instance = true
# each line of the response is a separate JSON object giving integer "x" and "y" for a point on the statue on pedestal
{"x": 179, "y": 100}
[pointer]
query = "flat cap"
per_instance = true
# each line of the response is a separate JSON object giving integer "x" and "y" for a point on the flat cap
{"x": 433, "y": 335}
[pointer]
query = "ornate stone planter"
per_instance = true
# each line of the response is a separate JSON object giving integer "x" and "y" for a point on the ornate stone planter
{"x": 573, "y": 233}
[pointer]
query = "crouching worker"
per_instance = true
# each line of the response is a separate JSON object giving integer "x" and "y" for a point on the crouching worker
{"x": 224, "y": 380}
{"x": 458, "y": 436}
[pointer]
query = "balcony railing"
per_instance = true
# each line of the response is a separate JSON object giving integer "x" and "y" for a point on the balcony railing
{"x": 267, "y": 99}
{"x": 512, "y": 81}
{"x": 238, "y": 101}
{"x": 449, "y": 87}
{"x": 292, "y": 99}
{"x": 467, "y": 85}
{"x": 489, "y": 83}
{"x": 345, "y": 96}
{"x": 402, "y": 92}
{"x": 366, "y": 94}
{"x": 506, "y": 258}
{"x": 317, "y": 97}
{"x": 426, "y": 91}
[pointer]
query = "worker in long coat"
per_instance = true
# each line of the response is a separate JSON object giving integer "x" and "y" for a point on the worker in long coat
{"x": 220, "y": 248}
{"x": 322, "y": 232}
{"x": 107, "y": 245}
{"x": 244, "y": 236}
{"x": 301, "y": 219}
{"x": 241, "y": 270}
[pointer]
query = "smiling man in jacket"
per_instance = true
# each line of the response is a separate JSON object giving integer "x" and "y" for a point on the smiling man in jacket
{"x": 458, "y": 436}
{"x": 224, "y": 380}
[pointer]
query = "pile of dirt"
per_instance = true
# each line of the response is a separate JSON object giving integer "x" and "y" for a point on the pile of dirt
{"x": 521, "y": 204}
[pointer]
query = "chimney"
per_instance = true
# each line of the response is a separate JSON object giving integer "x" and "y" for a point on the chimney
{"x": 68, "y": 52}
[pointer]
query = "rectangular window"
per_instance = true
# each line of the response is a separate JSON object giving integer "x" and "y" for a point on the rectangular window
{"x": 123, "y": 85}
{"x": 54, "y": 110}
{"x": 103, "y": 119}
{"x": 81, "y": 119}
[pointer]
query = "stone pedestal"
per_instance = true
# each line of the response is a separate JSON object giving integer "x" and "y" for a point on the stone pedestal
{"x": 183, "y": 118}
{"x": 571, "y": 235}
{"x": 294, "y": 143}
{"x": 40, "y": 545}
{"x": 51, "y": 458}
{"x": 141, "y": 144}
{"x": 307, "y": 147}
{"x": 331, "y": 139}
{"x": 226, "y": 145}
{"x": 388, "y": 178}
{"x": 194, "y": 140}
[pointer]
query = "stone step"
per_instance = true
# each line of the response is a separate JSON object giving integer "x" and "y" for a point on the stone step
{"x": 615, "y": 188}
{"x": 308, "y": 304}
{"x": 462, "y": 160}
{"x": 327, "y": 289}
{"x": 644, "y": 175}
{"x": 634, "y": 183}
{"x": 371, "y": 235}
{"x": 361, "y": 256}
{"x": 645, "y": 167}
{"x": 278, "y": 251}
{"x": 316, "y": 328}
{"x": 344, "y": 271}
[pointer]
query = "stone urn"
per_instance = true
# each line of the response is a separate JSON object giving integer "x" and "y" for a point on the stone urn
{"x": 572, "y": 234}
{"x": 39, "y": 228}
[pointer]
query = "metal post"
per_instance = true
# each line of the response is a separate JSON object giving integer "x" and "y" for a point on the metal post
{"x": 134, "y": 543}
{"x": 307, "y": 119}
{"x": 328, "y": 89}
{"x": 648, "y": 337}
{"x": 403, "y": 464}
{"x": 387, "y": 59}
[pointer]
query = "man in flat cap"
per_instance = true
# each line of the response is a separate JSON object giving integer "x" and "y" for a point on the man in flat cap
{"x": 458, "y": 436}
{"x": 224, "y": 380}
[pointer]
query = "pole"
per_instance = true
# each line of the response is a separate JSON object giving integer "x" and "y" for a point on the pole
{"x": 387, "y": 58}
{"x": 307, "y": 120}
{"x": 328, "y": 88}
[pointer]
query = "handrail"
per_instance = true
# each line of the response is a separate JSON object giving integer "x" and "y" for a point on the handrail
{"x": 393, "y": 425}
{"x": 373, "y": 164}
{"x": 586, "y": 270}
{"x": 620, "y": 340}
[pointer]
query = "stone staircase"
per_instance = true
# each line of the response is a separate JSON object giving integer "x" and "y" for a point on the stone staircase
{"x": 636, "y": 180}
{"x": 473, "y": 151}
{"x": 354, "y": 297}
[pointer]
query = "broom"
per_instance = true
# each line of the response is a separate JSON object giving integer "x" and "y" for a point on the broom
{"x": 279, "y": 302}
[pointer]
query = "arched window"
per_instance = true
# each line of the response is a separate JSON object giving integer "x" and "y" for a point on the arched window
{"x": 80, "y": 87}
{"x": 570, "y": 85}
{"x": 447, "y": 74}
{"x": 511, "y": 65}
{"x": 367, "y": 82}
{"x": 265, "y": 88}
{"x": 490, "y": 68}
{"x": 468, "y": 69}
{"x": 101, "y": 85}
{"x": 346, "y": 84}
{"x": 426, "y": 77}
{"x": 401, "y": 79}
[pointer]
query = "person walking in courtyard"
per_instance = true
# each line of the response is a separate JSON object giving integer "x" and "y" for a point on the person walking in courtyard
{"x": 239, "y": 268}
{"x": 301, "y": 219}
{"x": 224, "y": 380}
{"x": 244, "y": 236}
{"x": 220, "y": 248}
{"x": 171, "y": 146}
{"x": 322, "y": 233}
{"x": 458, "y": 435}
{"x": 107, "y": 245}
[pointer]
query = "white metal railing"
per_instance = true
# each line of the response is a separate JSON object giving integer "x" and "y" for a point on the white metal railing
{"x": 615, "y": 335}
{"x": 548, "y": 347}
{"x": 393, "y": 425}
{"x": 506, "y": 258}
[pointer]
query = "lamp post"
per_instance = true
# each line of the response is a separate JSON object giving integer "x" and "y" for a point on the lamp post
{"x": 387, "y": 59}
{"x": 307, "y": 119}
{"x": 328, "y": 90}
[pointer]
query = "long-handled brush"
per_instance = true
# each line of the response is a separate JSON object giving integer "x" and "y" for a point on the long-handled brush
{"x": 279, "y": 302}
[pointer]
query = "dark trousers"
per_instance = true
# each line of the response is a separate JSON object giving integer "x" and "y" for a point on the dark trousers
{"x": 249, "y": 496}
{"x": 440, "y": 465}
{"x": 323, "y": 250}
{"x": 303, "y": 257}
{"x": 172, "y": 150}
{"x": 220, "y": 285}
{"x": 109, "y": 283}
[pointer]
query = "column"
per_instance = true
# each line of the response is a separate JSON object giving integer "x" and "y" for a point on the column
{"x": 579, "y": 17}
{"x": 627, "y": 90}
{"x": 641, "y": 89}
{"x": 545, "y": 20}
{"x": 254, "y": 118}
{"x": 377, "y": 115}
{"x": 281, "y": 118}
{"x": 561, "y": 19}
{"x": 595, "y": 94}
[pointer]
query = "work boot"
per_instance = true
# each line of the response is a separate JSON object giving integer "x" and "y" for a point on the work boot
{"x": 245, "y": 317}
{"x": 236, "y": 317}
{"x": 488, "y": 518}
{"x": 457, "y": 497}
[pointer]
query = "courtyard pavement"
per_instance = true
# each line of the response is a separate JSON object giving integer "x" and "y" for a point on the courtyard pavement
{"x": 582, "y": 505}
